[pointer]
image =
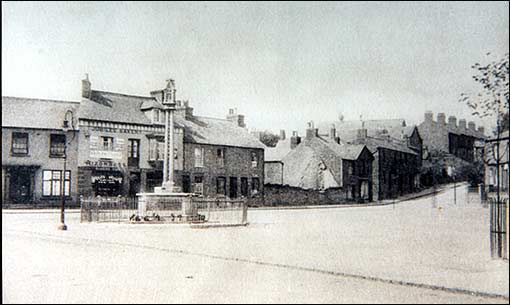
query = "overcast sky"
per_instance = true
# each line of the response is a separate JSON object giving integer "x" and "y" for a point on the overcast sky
{"x": 280, "y": 64}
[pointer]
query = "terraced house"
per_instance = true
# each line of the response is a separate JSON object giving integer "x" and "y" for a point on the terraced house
{"x": 122, "y": 144}
{"x": 34, "y": 143}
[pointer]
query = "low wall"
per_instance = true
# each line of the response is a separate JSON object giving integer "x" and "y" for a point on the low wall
{"x": 284, "y": 195}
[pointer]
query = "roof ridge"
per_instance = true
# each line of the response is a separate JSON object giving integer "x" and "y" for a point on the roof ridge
{"x": 126, "y": 95}
{"x": 213, "y": 118}
{"x": 40, "y": 100}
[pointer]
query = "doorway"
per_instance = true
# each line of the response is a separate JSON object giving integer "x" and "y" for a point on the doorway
{"x": 233, "y": 187}
{"x": 20, "y": 190}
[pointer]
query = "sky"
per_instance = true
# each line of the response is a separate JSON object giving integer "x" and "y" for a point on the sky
{"x": 279, "y": 64}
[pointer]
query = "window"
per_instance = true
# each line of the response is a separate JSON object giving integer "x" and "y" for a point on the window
{"x": 255, "y": 186}
{"x": 19, "y": 143}
{"x": 254, "y": 159}
{"x": 52, "y": 180}
{"x": 134, "y": 148}
{"x": 198, "y": 185}
{"x": 220, "y": 156}
{"x": 199, "y": 157}
{"x": 107, "y": 143}
{"x": 57, "y": 145}
{"x": 156, "y": 150}
{"x": 133, "y": 152}
{"x": 221, "y": 186}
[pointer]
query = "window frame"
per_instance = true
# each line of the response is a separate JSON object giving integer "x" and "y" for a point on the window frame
{"x": 19, "y": 135}
{"x": 199, "y": 162}
{"x": 110, "y": 147}
{"x": 59, "y": 180}
{"x": 52, "y": 154}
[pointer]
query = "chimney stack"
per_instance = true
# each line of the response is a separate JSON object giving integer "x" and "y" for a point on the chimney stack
{"x": 441, "y": 118}
{"x": 187, "y": 110}
{"x": 452, "y": 121}
{"x": 481, "y": 130}
{"x": 311, "y": 131}
{"x": 332, "y": 132}
{"x": 472, "y": 125}
{"x": 429, "y": 117}
{"x": 86, "y": 87}
{"x": 462, "y": 124}
{"x": 361, "y": 135}
{"x": 282, "y": 134}
{"x": 233, "y": 117}
{"x": 295, "y": 140}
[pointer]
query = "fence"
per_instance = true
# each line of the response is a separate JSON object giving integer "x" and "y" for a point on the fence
{"x": 499, "y": 227}
{"x": 107, "y": 209}
{"x": 221, "y": 211}
{"x": 209, "y": 211}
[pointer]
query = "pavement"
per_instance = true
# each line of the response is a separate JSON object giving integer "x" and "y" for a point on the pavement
{"x": 428, "y": 249}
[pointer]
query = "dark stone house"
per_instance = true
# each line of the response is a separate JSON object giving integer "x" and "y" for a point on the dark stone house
{"x": 321, "y": 164}
{"x": 397, "y": 152}
{"x": 33, "y": 146}
{"x": 122, "y": 142}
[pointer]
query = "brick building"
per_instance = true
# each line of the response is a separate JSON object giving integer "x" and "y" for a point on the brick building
{"x": 321, "y": 163}
{"x": 33, "y": 146}
{"x": 448, "y": 137}
{"x": 122, "y": 144}
{"x": 396, "y": 148}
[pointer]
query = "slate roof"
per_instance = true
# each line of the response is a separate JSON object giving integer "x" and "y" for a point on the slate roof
{"x": 35, "y": 113}
{"x": 278, "y": 152}
{"x": 369, "y": 124}
{"x": 205, "y": 130}
{"x": 301, "y": 169}
{"x": 116, "y": 107}
{"x": 373, "y": 143}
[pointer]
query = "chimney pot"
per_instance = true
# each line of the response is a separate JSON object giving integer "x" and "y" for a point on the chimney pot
{"x": 462, "y": 123}
{"x": 86, "y": 87}
{"x": 472, "y": 125}
{"x": 429, "y": 116}
{"x": 452, "y": 121}
{"x": 282, "y": 134}
{"x": 441, "y": 118}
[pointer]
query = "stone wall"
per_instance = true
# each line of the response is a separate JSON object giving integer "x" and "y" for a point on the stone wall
{"x": 284, "y": 195}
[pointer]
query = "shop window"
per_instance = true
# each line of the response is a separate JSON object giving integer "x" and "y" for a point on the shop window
{"x": 57, "y": 145}
{"x": 19, "y": 143}
{"x": 52, "y": 183}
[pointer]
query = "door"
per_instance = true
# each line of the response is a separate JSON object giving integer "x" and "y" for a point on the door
{"x": 233, "y": 187}
{"x": 244, "y": 187}
{"x": 186, "y": 185}
{"x": 20, "y": 191}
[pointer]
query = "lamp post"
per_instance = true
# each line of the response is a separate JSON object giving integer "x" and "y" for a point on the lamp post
{"x": 65, "y": 129}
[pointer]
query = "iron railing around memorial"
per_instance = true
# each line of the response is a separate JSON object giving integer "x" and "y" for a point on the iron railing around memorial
{"x": 213, "y": 211}
{"x": 108, "y": 209}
